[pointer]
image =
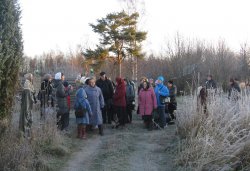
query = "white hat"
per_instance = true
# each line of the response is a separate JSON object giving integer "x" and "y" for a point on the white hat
{"x": 58, "y": 76}
{"x": 82, "y": 80}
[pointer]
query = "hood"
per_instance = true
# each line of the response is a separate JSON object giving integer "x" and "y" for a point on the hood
{"x": 161, "y": 78}
{"x": 119, "y": 80}
{"x": 81, "y": 94}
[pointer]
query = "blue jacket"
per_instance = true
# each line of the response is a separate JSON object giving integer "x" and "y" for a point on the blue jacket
{"x": 81, "y": 100}
{"x": 161, "y": 89}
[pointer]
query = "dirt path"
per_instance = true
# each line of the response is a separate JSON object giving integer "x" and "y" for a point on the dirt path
{"x": 132, "y": 148}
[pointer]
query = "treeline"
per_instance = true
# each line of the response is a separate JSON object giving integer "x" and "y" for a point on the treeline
{"x": 185, "y": 62}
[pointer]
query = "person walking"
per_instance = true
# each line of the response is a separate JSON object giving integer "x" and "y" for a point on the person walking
{"x": 107, "y": 91}
{"x": 82, "y": 102}
{"x": 120, "y": 101}
{"x": 27, "y": 101}
{"x": 96, "y": 101}
{"x": 161, "y": 91}
{"x": 147, "y": 103}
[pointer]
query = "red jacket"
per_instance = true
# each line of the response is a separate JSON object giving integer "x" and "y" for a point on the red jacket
{"x": 120, "y": 93}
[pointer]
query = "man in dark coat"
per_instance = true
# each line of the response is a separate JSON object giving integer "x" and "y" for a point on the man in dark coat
{"x": 210, "y": 83}
{"x": 45, "y": 93}
{"x": 172, "y": 105}
{"x": 107, "y": 90}
{"x": 61, "y": 101}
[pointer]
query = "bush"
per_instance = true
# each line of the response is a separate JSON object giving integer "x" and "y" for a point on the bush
{"x": 218, "y": 140}
{"x": 18, "y": 153}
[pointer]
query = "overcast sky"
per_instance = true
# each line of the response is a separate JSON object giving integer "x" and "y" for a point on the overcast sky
{"x": 63, "y": 24}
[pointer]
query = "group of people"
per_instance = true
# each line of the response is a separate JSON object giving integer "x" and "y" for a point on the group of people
{"x": 100, "y": 102}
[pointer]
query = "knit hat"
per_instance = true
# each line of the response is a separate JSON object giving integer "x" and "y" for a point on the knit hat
{"x": 58, "y": 76}
{"x": 160, "y": 78}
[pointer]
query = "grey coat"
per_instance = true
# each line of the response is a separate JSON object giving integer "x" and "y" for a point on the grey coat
{"x": 96, "y": 102}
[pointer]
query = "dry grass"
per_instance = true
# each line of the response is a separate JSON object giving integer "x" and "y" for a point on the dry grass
{"x": 19, "y": 153}
{"x": 218, "y": 140}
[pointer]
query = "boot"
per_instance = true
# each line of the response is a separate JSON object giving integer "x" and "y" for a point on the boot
{"x": 150, "y": 127}
{"x": 84, "y": 132}
{"x": 78, "y": 131}
{"x": 100, "y": 127}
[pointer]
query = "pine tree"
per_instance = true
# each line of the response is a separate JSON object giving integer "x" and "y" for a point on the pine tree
{"x": 118, "y": 38}
{"x": 11, "y": 52}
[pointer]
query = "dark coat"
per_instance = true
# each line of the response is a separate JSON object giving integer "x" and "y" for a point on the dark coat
{"x": 61, "y": 97}
{"x": 130, "y": 94}
{"x": 106, "y": 87}
{"x": 120, "y": 93}
{"x": 211, "y": 84}
{"x": 234, "y": 92}
{"x": 27, "y": 101}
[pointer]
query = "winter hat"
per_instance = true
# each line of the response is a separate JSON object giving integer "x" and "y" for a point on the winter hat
{"x": 160, "y": 78}
{"x": 58, "y": 76}
{"x": 170, "y": 82}
{"x": 102, "y": 73}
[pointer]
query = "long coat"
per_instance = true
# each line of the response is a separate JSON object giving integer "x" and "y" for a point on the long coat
{"x": 147, "y": 101}
{"x": 120, "y": 93}
{"x": 96, "y": 101}
{"x": 61, "y": 97}
{"x": 25, "y": 120}
{"x": 81, "y": 100}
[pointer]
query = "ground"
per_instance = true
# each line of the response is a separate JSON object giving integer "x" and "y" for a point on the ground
{"x": 132, "y": 148}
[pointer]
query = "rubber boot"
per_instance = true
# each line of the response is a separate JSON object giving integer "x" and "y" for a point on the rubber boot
{"x": 84, "y": 132}
{"x": 100, "y": 127}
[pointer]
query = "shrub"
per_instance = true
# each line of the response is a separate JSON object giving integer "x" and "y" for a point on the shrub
{"x": 217, "y": 140}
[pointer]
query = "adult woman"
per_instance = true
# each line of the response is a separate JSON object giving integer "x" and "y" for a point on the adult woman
{"x": 147, "y": 102}
{"x": 82, "y": 102}
{"x": 61, "y": 100}
{"x": 119, "y": 99}
{"x": 96, "y": 102}
{"x": 27, "y": 101}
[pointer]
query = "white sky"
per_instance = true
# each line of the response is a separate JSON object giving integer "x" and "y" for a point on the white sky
{"x": 63, "y": 24}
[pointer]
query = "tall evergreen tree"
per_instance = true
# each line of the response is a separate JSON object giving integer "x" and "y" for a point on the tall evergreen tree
{"x": 11, "y": 52}
{"x": 118, "y": 38}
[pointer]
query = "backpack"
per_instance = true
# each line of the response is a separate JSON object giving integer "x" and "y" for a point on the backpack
{"x": 80, "y": 111}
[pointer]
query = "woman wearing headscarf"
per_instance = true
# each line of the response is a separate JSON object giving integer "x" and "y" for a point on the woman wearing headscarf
{"x": 61, "y": 101}
{"x": 147, "y": 103}
{"x": 82, "y": 102}
{"x": 25, "y": 120}
{"x": 96, "y": 102}
{"x": 119, "y": 99}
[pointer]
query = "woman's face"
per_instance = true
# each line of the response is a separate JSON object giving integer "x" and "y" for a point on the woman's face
{"x": 144, "y": 85}
{"x": 125, "y": 82}
{"x": 92, "y": 83}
